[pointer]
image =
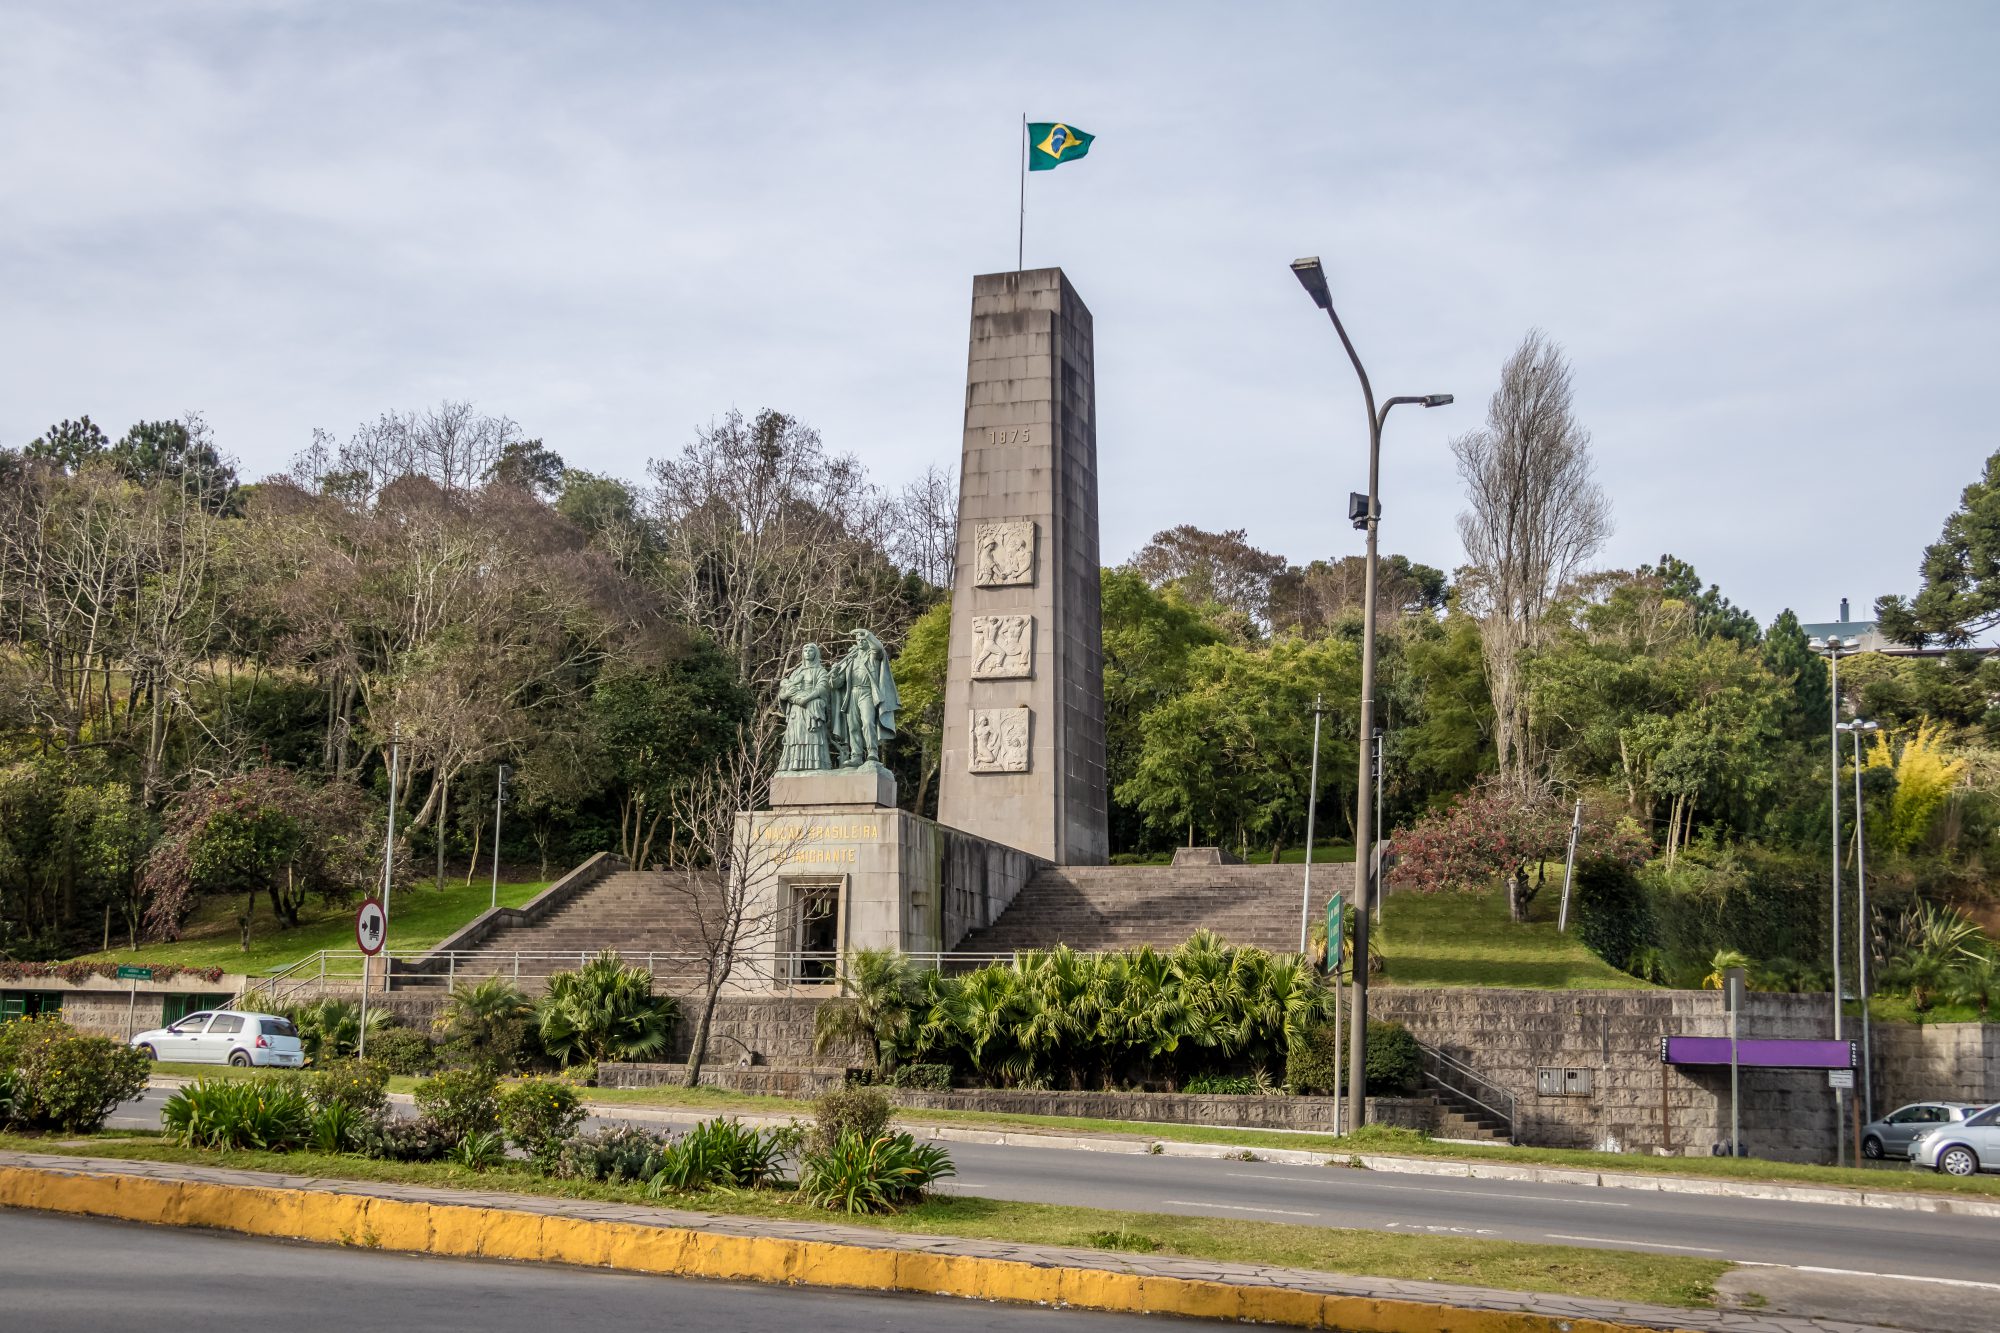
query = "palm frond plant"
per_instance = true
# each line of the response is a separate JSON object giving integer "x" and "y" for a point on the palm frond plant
{"x": 880, "y": 992}
{"x": 605, "y": 1010}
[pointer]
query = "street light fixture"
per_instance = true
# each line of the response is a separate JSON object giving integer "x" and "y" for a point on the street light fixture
{"x": 1857, "y": 728}
{"x": 1313, "y": 278}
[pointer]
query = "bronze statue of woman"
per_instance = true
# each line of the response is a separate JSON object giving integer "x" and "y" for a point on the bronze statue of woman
{"x": 805, "y": 694}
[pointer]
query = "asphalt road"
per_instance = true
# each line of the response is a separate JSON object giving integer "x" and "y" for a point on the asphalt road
{"x": 1878, "y": 1242}
{"x": 70, "y": 1275}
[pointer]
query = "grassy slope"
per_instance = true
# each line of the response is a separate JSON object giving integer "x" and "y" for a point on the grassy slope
{"x": 422, "y": 917}
{"x": 1605, "y": 1274}
{"x": 1465, "y": 939}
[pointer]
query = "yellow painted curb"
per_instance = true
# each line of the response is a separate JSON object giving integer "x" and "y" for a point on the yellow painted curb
{"x": 473, "y": 1231}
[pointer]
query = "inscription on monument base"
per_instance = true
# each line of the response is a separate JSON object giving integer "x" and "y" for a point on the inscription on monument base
{"x": 999, "y": 740}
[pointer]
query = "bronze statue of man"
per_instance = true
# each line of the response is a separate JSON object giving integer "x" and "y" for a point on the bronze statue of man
{"x": 865, "y": 701}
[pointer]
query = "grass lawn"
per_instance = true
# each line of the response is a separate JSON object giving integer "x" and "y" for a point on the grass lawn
{"x": 1327, "y": 853}
{"x": 421, "y": 917}
{"x": 1466, "y": 939}
{"x": 1509, "y": 1265}
{"x": 1372, "y": 1140}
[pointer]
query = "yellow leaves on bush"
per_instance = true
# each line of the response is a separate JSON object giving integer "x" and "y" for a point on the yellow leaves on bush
{"x": 1925, "y": 776}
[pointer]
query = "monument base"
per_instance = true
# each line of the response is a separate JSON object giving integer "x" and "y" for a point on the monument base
{"x": 870, "y": 784}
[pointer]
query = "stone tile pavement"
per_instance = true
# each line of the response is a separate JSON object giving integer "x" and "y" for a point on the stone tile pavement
{"x": 1036, "y": 1256}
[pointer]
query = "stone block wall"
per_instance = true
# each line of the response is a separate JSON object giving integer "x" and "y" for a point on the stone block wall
{"x": 1175, "y": 1108}
{"x": 1635, "y": 1103}
{"x": 1942, "y": 1061}
{"x": 778, "y": 1030}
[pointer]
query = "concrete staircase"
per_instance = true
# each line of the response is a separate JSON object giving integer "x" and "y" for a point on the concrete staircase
{"x": 644, "y": 915}
{"x": 1122, "y": 907}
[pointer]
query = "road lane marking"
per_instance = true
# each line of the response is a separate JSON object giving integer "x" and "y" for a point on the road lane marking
{"x": 1635, "y": 1244}
{"x": 1424, "y": 1226}
{"x": 1475, "y": 1194}
{"x": 1237, "y": 1208}
{"x": 1855, "y": 1272}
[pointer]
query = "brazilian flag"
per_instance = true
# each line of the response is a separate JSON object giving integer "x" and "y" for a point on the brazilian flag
{"x": 1050, "y": 144}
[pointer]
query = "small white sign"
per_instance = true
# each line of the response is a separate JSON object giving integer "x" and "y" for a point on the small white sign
{"x": 1840, "y": 1078}
{"x": 371, "y": 927}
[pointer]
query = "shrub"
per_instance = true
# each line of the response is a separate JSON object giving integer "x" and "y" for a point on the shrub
{"x": 1237, "y": 1084}
{"x": 461, "y": 1102}
{"x": 538, "y": 1115}
{"x": 1613, "y": 918}
{"x": 858, "y": 1175}
{"x": 420, "y": 1140}
{"x": 68, "y": 1081}
{"x": 603, "y": 1011}
{"x": 723, "y": 1154}
{"x": 863, "y": 1112}
{"x": 337, "y": 1127}
{"x": 479, "y": 1151}
{"x": 485, "y": 1024}
{"x": 402, "y": 1050}
{"x": 260, "y": 1114}
{"x": 1314, "y": 1067}
{"x": 924, "y": 1078}
{"x": 362, "y": 1086}
{"x": 614, "y": 1153}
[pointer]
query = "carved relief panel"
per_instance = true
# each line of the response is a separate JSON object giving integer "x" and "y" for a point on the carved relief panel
{"x": 1003, "y": 554}
{"x": 1003, "y": 647}
{"x": 999, "y": 740}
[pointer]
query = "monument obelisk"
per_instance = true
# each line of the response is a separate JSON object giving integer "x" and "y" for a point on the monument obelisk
{"x": 1023, "y": 760}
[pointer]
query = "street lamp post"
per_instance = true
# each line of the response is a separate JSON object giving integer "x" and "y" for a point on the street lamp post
{"x": 1313, "y": 278}
{"x": 1831, "y": 646}
{"x": 499, "y": 798}
{"x": 1312, "y": 804}
{"x": 1855, "y": 729}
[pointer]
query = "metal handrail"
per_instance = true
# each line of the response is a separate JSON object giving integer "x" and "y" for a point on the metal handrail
{"x": 813, "y": 971}
{"x": 1452, "y": 1073}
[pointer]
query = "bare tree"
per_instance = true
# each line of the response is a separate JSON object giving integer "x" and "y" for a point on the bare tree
{"x": 925, "y": 540}
{"x": 452, "y": 444}
{"x": 1537, "y": 514}
{"x": 729, "y": 898}
{"x": 769, "y": 541}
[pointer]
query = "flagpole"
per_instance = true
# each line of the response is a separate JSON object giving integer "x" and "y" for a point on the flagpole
{"x": 1021, "y": 240}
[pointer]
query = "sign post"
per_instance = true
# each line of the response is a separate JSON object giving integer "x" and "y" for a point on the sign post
{"x": 135, "y": 975}
{"x": 1336, "y": 958}
{"x": 1732, "y": 981}
{"x": 371, "y": 929}
{"x": 1569, "y": 866}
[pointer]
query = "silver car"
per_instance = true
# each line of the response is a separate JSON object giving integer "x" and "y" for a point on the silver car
{"x": 225, "y": 1036}
{"x": 1964, "y": 1148}
{"x": 1892, "y": 1135}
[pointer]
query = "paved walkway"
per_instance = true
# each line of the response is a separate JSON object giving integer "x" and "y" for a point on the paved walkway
{"x": 1036, "y": 1256}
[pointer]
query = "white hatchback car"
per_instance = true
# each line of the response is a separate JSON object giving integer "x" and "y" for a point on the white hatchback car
{"x": 225, "y": 1037}
{"x": 1963, "y": 1149}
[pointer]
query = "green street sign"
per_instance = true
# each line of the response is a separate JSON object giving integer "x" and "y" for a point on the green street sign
{"x": 1336, "y": 934}
{"x": 135, "y": 974}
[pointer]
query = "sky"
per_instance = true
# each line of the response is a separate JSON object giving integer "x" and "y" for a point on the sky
{"x": 1763, "y": 234}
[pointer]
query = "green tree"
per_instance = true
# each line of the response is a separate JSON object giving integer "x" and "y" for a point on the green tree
{"x": 657, "y": 729}
{"x": 1230, "y": 754}
{"x": 1959, "y": 597}
{"x": 1149, "y": 639}
{"x": 920, "y": 680}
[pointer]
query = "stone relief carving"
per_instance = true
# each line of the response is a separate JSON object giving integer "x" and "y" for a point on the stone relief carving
{"x": 1003, "y": 647}
{"x": 999, "y": 740}
{"x": 1004, "y": 553}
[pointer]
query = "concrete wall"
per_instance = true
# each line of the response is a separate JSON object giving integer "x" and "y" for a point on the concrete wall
{"x": 1029, "y": 456}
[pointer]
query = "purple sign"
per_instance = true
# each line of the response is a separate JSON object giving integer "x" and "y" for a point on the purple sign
{"x": 1759, "y": 1053}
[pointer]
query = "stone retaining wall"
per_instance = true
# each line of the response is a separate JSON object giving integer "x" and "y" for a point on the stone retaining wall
{"x": 1174, "y": 1108}
{"x": 758, "y": 1079}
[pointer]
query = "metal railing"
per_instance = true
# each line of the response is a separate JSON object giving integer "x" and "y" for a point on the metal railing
{"x": 339, "y": 971}
{"x": 1462, "y": 1081}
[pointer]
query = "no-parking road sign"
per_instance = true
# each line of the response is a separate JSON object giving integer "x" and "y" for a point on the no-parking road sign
{"x": 371, "y": 927}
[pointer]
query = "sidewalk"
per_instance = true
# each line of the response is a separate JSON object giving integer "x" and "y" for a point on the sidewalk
{"x": 629, "y": 1237}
